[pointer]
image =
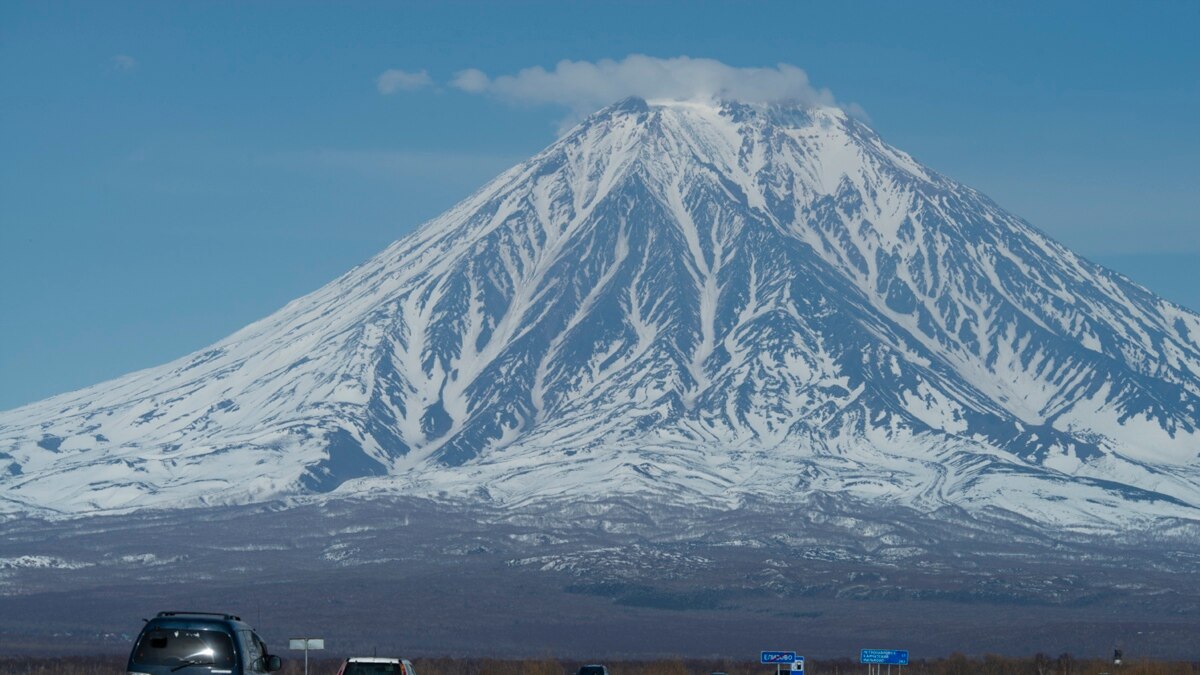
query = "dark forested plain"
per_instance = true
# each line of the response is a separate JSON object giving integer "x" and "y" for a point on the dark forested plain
{"x": 619, "y": 584}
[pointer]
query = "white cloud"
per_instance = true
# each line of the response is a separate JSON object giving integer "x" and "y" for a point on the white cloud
{"x": 123, "y": 62}
{"x": 584, "y": 86}
{"x": 394, "y": 80}
{"x": 471, "y": 80}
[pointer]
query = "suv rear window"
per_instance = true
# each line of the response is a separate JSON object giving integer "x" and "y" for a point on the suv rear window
{"x": 592, "y": 670}
{"x": 372, "y": 668}
{"x": 177, "y": 646}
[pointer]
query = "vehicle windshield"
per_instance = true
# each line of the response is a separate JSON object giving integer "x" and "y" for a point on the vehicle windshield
{"x": 182, "y": 647}
{"x": 371, "y": 668}
{"x": 592, "y": 670}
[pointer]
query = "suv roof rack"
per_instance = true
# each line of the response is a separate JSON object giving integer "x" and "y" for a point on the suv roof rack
{"x": 223, "y": 615}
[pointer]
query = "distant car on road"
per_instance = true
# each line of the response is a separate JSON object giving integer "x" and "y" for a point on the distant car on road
{"x": 592, "y": 670}
{"x": 187, "y": 643}
{"x": 375, "y": 665}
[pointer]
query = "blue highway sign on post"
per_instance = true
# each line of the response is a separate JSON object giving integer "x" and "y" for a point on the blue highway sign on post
{"x": 890, "y": 657}
{"x": 777, "y": 657}
{"x": 798, "y": 665}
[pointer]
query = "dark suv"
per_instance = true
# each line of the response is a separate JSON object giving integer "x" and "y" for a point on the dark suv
{"x": 187, "y": 643}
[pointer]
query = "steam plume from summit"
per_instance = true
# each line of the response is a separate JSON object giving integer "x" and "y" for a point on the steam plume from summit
{"x": 584, "y": 86}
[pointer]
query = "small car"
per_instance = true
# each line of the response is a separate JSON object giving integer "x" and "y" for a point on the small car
{"x": 189, "y": 643}
{"x": 370, "y": 665}
{"x": 592, "y": 670}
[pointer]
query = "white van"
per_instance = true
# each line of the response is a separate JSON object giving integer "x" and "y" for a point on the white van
{"x": 375, "y": 665}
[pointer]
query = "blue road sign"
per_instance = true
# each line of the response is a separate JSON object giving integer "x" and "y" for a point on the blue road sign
{"x": 798, "y": 665}
{"x": 890, "y": 657}
{"x": 778, "y": 657}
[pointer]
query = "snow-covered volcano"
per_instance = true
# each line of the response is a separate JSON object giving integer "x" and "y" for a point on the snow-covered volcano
{"x": 686, "y": 302}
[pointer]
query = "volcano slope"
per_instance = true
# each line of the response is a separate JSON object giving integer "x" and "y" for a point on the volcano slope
{"x": 679, "y": 314}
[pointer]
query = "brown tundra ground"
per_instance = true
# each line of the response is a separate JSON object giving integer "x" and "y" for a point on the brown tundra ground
{"x": 956, "y": 664}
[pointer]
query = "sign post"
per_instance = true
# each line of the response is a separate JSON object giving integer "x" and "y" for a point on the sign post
{"x": 875, "y": 659}
{"x": 306, "y": 644}
{"x": 779, "y": 659}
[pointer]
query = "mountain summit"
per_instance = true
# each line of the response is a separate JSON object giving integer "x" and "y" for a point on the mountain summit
{"x": 679, "y": 302}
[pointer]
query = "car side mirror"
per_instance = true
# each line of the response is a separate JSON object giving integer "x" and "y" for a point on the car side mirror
{"x": 274, "y": 663}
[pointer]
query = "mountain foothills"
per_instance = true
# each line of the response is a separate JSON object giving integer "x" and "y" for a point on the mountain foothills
{"x": 676, "y": 303}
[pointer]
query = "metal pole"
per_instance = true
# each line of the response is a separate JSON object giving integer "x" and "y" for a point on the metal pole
{"x": 305, "y": 656}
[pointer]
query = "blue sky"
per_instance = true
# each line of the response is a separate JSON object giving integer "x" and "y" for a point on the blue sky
{"x": 170, "y": 172}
